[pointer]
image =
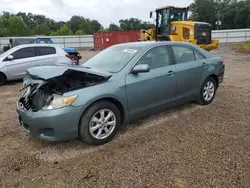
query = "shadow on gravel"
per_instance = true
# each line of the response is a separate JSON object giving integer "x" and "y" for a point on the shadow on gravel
{"x": 58, "y": 151}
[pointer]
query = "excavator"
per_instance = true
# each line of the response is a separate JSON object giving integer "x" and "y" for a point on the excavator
{"x": 173, "y": 24}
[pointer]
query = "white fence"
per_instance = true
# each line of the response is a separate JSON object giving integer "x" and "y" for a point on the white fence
{"x": 234, "y": 35}
{"x": 86, "y": 41}
{"x": 82, "y": 41}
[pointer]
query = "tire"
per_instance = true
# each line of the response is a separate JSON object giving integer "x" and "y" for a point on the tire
{"x": 95, "y": 110}
{"x": 2, "y": 79}
{"x": 6, "y": 48}
{"x": 206, "y": 99}
{"x": 75, "y": 60}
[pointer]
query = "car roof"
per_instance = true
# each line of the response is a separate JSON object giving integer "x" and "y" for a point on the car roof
{"x": 35, "y": 45}
{"x": 145, "y": 44}
{"x": 38, "y": 37}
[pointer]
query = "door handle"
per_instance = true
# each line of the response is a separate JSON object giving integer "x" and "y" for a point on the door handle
{"x": 170, "y": 73}
{"x": 204, "y": 65}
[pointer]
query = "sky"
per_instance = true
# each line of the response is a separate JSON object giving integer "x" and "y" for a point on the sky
{"x": 105, "y": 11}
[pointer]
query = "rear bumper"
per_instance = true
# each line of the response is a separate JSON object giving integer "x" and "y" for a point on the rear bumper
{"x": 220, "y": 78}
{"x": 221, "y": 74}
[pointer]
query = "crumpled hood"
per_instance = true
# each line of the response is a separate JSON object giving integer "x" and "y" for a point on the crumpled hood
{"x": 48, "y": 72}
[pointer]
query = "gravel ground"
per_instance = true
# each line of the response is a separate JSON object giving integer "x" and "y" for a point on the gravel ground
{"x": 188, "y": 146}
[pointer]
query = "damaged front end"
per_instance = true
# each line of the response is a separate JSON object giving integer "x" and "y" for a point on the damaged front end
{"x": 46, "y": 93}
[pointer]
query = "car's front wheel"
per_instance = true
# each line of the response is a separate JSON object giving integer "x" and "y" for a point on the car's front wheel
{"x": 207, "y": 91}
{"x": 99, "y": 123}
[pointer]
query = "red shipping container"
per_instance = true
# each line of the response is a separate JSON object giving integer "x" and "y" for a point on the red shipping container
{"x": 107, "y": 39}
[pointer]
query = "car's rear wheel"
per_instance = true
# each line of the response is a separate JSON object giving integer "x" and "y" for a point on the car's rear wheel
{"x": 207, "y": 91}
{"x": 2, "y": 79}
{"x": 99, "y": 123}
{"x": 75, "y": 60}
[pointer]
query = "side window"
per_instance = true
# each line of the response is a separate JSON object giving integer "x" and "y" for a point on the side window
{"x": 46, "y": 51}
{"x": 24, "y": 53}
{"x": 186, "y": 33}
{"x": 198, "y": 55}
{"x": 156, "y": 57}
{"x": 183, "y": 54}
{"x": 45, "y": 41}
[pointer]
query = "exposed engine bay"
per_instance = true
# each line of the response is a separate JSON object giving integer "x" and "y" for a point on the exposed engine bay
{"x": 40, "y": 93}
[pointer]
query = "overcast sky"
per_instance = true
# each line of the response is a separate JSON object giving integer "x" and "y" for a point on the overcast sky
{"x": 105, "y": 11}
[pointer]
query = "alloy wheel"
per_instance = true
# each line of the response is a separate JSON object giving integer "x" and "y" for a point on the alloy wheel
{"x": 102, "y": 124}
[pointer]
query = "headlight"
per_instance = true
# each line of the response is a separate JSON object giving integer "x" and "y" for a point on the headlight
{"x": 60, "y": 101}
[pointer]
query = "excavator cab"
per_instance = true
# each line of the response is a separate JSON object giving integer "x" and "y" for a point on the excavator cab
{"x": 164, "y": 17}
{"x": 172, "y": 24}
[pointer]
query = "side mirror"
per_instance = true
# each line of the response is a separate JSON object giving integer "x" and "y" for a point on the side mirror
{"x": 150, "y": 14}
{"x": 10, "y": 57}
{"x": 142, "y": 68}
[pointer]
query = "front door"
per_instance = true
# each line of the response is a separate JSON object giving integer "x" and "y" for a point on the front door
{"x": 23, "y": 59}
{"x": 155, "y": 89}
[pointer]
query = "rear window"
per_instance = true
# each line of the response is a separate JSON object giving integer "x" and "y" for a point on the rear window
{"x": 46, "y": 51}
{"x": 183, "y": 53}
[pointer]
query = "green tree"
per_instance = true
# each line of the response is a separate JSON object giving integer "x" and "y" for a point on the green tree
{"x": 42, "y": 29}
{"x": 64, "y": 30}
{"x": 16, "y": 27}
{"x": 113, "y": 27}
{"x": 75, "y": 23}
{"x": 80, "y": 32}
{"x": 96, "y": 26}
{"x": 232, "y": 13}
{"x": 130, "y": 24}
{"x": 101, "y": 29}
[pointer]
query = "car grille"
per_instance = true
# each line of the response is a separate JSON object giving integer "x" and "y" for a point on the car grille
{"x": 34, "y": 99}
{"x": 203, "y": 33}
{"x": 24, "y": 103}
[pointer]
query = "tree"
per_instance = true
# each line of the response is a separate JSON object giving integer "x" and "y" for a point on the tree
{"x": 42, "y": 29}
{"x": 96, "y": 26}
{"x": 75, "y": 23}
{"x": 134, "y": 24}
{"x": 64, "y": 30}
{"x": 3, "y": 28}
{"x": 130, "y": 24}
{"x": 80, "y": 32}
{"x": 232, "y": 13}
{"x": 16, "y": 27}
{"x": 113, "y": 27}
{"x": 101, "y": 29}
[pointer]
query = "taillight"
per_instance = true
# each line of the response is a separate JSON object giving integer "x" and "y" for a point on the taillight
{"x": 222, "y": 62}
{"x": 68, "y": 56}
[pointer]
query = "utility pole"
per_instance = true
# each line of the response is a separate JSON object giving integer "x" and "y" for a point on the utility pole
{"x": 218, "y": 19}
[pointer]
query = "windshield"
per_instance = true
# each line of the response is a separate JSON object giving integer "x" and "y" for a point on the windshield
{"x": 178, "y": 15}
{"x": 112, "y": 59}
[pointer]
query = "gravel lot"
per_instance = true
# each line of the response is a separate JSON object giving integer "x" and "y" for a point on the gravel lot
{"x": 188, "y": 146}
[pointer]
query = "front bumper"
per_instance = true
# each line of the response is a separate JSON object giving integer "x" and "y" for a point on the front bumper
{"x": 54, "y": 125}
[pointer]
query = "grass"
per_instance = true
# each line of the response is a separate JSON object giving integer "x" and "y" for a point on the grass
{"x": 242, "y": 47}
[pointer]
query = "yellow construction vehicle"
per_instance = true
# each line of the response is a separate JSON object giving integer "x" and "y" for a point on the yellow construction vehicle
{"x": 172, "y": 24}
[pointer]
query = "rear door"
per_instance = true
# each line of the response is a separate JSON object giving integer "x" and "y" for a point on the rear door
{"x": 46, "y": 55}
{"x": 189, "y": 71}
{"x": 23, "y": 59}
